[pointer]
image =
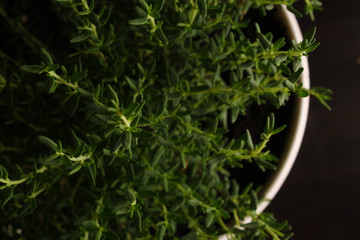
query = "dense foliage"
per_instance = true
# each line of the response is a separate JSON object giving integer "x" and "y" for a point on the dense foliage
{"x": 114, "y": 116}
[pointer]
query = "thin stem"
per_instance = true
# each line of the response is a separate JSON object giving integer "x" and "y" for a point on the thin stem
{"x": 222, "y": 224}
{"x": 81, "y": 158}
{"x": 60, "y": 80}
{"x": 35, "y": 194}
{"x": 9, "y": 182}
{"x": 125, "y": 120}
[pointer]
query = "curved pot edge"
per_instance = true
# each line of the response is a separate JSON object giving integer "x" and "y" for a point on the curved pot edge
{"x": 297, "y": 126}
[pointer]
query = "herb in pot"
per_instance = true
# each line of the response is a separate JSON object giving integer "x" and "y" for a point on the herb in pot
{"x": 115, "y": 126}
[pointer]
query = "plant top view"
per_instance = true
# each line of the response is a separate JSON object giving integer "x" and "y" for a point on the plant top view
{"x": 116, "y": 116}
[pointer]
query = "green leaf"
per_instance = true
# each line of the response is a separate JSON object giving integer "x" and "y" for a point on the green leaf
{"x": 302, "y": 92}
{"x": 218, "y": 203}
{"x": 193, "y": 202}
{"x": 202, "y": 8}
{"x": 264, "y": 41}
{"x": 265, "y": 164}
{"x": 278, "y": 44}
{"x": 140, "y": 11}
{"x": 311, "y": 48}
{"x": 214, "y": 125}
{"x": 159, "y": 152}
{"x": 296, "y": 75}
{"x": 161, "y": 36}
{"x": 77, "y": 76}
{"x": 94, "y": 18}
{"x": 33, "y": 68}
{"x": 143, "y": 134}
{"x": 127, "y": 136}
{"x": 296, "y": 64}
{"x": 122, "y": 211}
{"x": 154, "y": 14}
{"x": 214, "y": 10}
{"x": 52, "y": 85}
{"x": 288, "y": 236}
{"x": 234, "y": 114}
{"x": 251, "y": 225}
{"x": 92, "y": 172}
{"x": 3, "y": 172}
{"x": 9, "y": 192}
{"x": 183, "y": 160}
{"x": 159, "y": 4}
{"x": 113, "y": 94}
{"x": 209, "y": 219}
{"x": 280, "y": 58}
{"x": 76, "y": 168}
{"x": 139, "y": 21}
{"x": 310, "y": 36}
{"x": 162, "y": 232}
{"x": 116, "y": 145}
{"x": 143, "y": 4}
{"x": 98, "y": 235}
{"x": 166, "y": 183}
{"x": 131, "y": 84}
{"x": 290, "y": 85}
{"x": 249, "y": 141}
{"x": 223, "y": 214}
{"x": 174, "y": 76}
{"x": 52, "y": 67}
{"x": 246, "y": 65}
{"x": 254, "y": 200}
{"x": 137, "y": 220}
{"x": 199, "y": 88}
{"x": 46, "y": 57}
{"x": 65, "y": 161}
{"x": 111, "y": 234}
{"x": 84, "y": 93}
{"x": 282, "y": 98}
{"x": 322, "y": 94}
{"x": 278, "y": 130}
{"x": 2, "y": 82}
{"x": 178, "y": 204}
{"x": 164, "y": 106}
{"x": 215, "y": 145}
{"x": 81, "y": 37}
{"x": 272, "y": 120}
{"x": 90, "y": 225}
{"x": 131, "y": 195}
{"x": 285, "y": 69}
{"x": 48, "y": 142}
{"x": 294, "y": 11}
{"x": 131, "y": 109}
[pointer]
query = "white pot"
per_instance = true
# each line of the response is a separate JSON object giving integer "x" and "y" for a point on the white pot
{"x": 296, "y": 128}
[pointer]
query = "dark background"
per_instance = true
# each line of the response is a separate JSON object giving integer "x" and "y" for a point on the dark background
{"x": 321, "y": 197}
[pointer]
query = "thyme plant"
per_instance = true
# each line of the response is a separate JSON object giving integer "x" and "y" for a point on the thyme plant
{"x": 115, "y": 116}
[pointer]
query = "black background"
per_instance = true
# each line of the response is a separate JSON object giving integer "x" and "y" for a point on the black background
{"x": 320, "y": 198}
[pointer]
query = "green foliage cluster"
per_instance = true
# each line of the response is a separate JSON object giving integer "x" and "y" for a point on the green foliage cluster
{"x": 114, "y": 117}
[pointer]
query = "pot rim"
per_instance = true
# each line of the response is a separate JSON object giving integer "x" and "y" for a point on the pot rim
{"x": 296, "y": 127}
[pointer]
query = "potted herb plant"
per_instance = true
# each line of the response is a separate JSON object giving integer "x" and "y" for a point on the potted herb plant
{"x": 116, "y": 117}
